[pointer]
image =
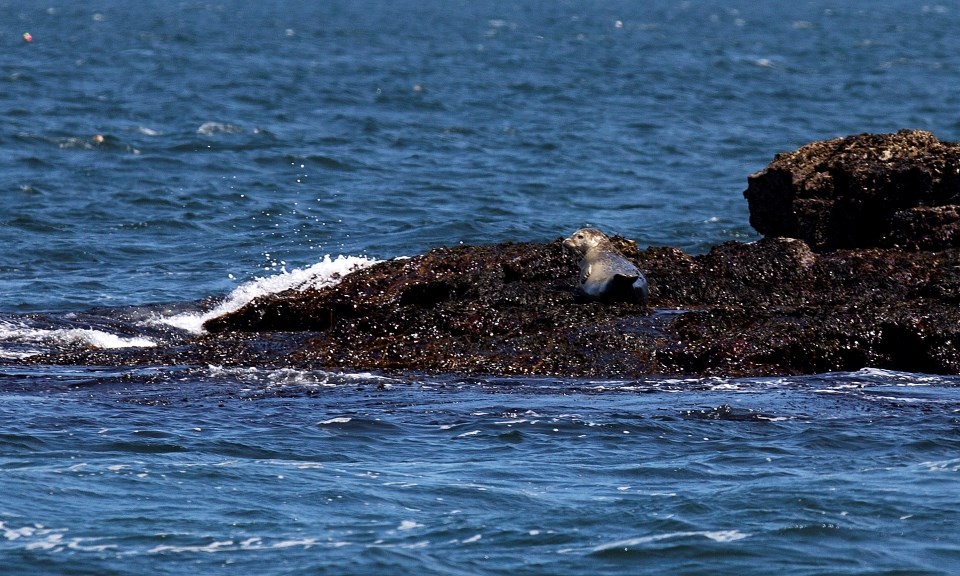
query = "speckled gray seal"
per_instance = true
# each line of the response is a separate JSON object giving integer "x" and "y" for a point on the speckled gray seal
{"x": 605, "y": 274}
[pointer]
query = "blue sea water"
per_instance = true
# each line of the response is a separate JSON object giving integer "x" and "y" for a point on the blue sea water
{"x": 167, "y": 161}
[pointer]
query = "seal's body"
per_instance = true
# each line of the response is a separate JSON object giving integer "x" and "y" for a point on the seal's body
{"x": 605, "y": 275}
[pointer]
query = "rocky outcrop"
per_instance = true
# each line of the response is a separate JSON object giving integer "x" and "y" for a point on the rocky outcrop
{"x": 860, "y": 267}
{"x": 894, "y": 191}
{"x": 770, "y": 307}
{"x": 501, "y": 309}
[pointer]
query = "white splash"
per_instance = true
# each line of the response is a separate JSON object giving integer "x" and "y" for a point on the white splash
{"x": 325, "y": 273}
{"x": 23, "y": 334}
{"x": 9, "y": 355}
{"x": 208, "y": 128}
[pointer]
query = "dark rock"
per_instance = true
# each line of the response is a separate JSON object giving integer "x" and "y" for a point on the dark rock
{"x": 769, "y": 307}
{"x": 891, "y": 190}
{"x": 506, "y": 308}
{"x": 776, "y": 306}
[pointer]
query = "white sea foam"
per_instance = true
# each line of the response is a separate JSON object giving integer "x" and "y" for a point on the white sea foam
{"x": 231, "y": 545}
{"x": 337, "y": 420}
{"x": 211, "y": 547}
{"x": 39, "y": 537}
{"x": 208, "y": 128}
{"x": 715, "y": 535}
{"x": 22, "y": 532}
{"x": 900, "y": 378}
{"x": 409, "y": 525}
{"x": 17, "y": 355}
{"x": 20, "y": 334}
{"x": 280, "y": 377}
{"x": 327, "y": 272}
{"x": 942, "y": 465}
{"x": 100, "y": 339}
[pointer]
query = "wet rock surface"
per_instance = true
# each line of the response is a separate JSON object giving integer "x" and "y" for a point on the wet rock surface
{"x": 888, "y": 190}
{"x": 883, "y": 293}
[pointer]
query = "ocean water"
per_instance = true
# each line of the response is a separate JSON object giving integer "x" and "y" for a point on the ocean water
{"x": 163, "y": 163}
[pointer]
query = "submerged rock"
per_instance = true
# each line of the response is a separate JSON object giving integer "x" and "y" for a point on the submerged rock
{"x": 860, "y": 287}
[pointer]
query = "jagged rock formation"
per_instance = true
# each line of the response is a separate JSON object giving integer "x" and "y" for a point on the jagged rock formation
{"x": 893, "y": 191}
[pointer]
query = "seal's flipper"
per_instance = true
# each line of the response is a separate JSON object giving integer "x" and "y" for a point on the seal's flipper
{"x": 625, "y": 288}
{"x": 641, "y": 292}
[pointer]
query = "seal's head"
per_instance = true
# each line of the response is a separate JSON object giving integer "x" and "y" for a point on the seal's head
{"x": 584, "y": 239}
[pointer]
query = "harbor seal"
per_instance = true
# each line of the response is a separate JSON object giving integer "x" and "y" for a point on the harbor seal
{"x": 605, "y": 275}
